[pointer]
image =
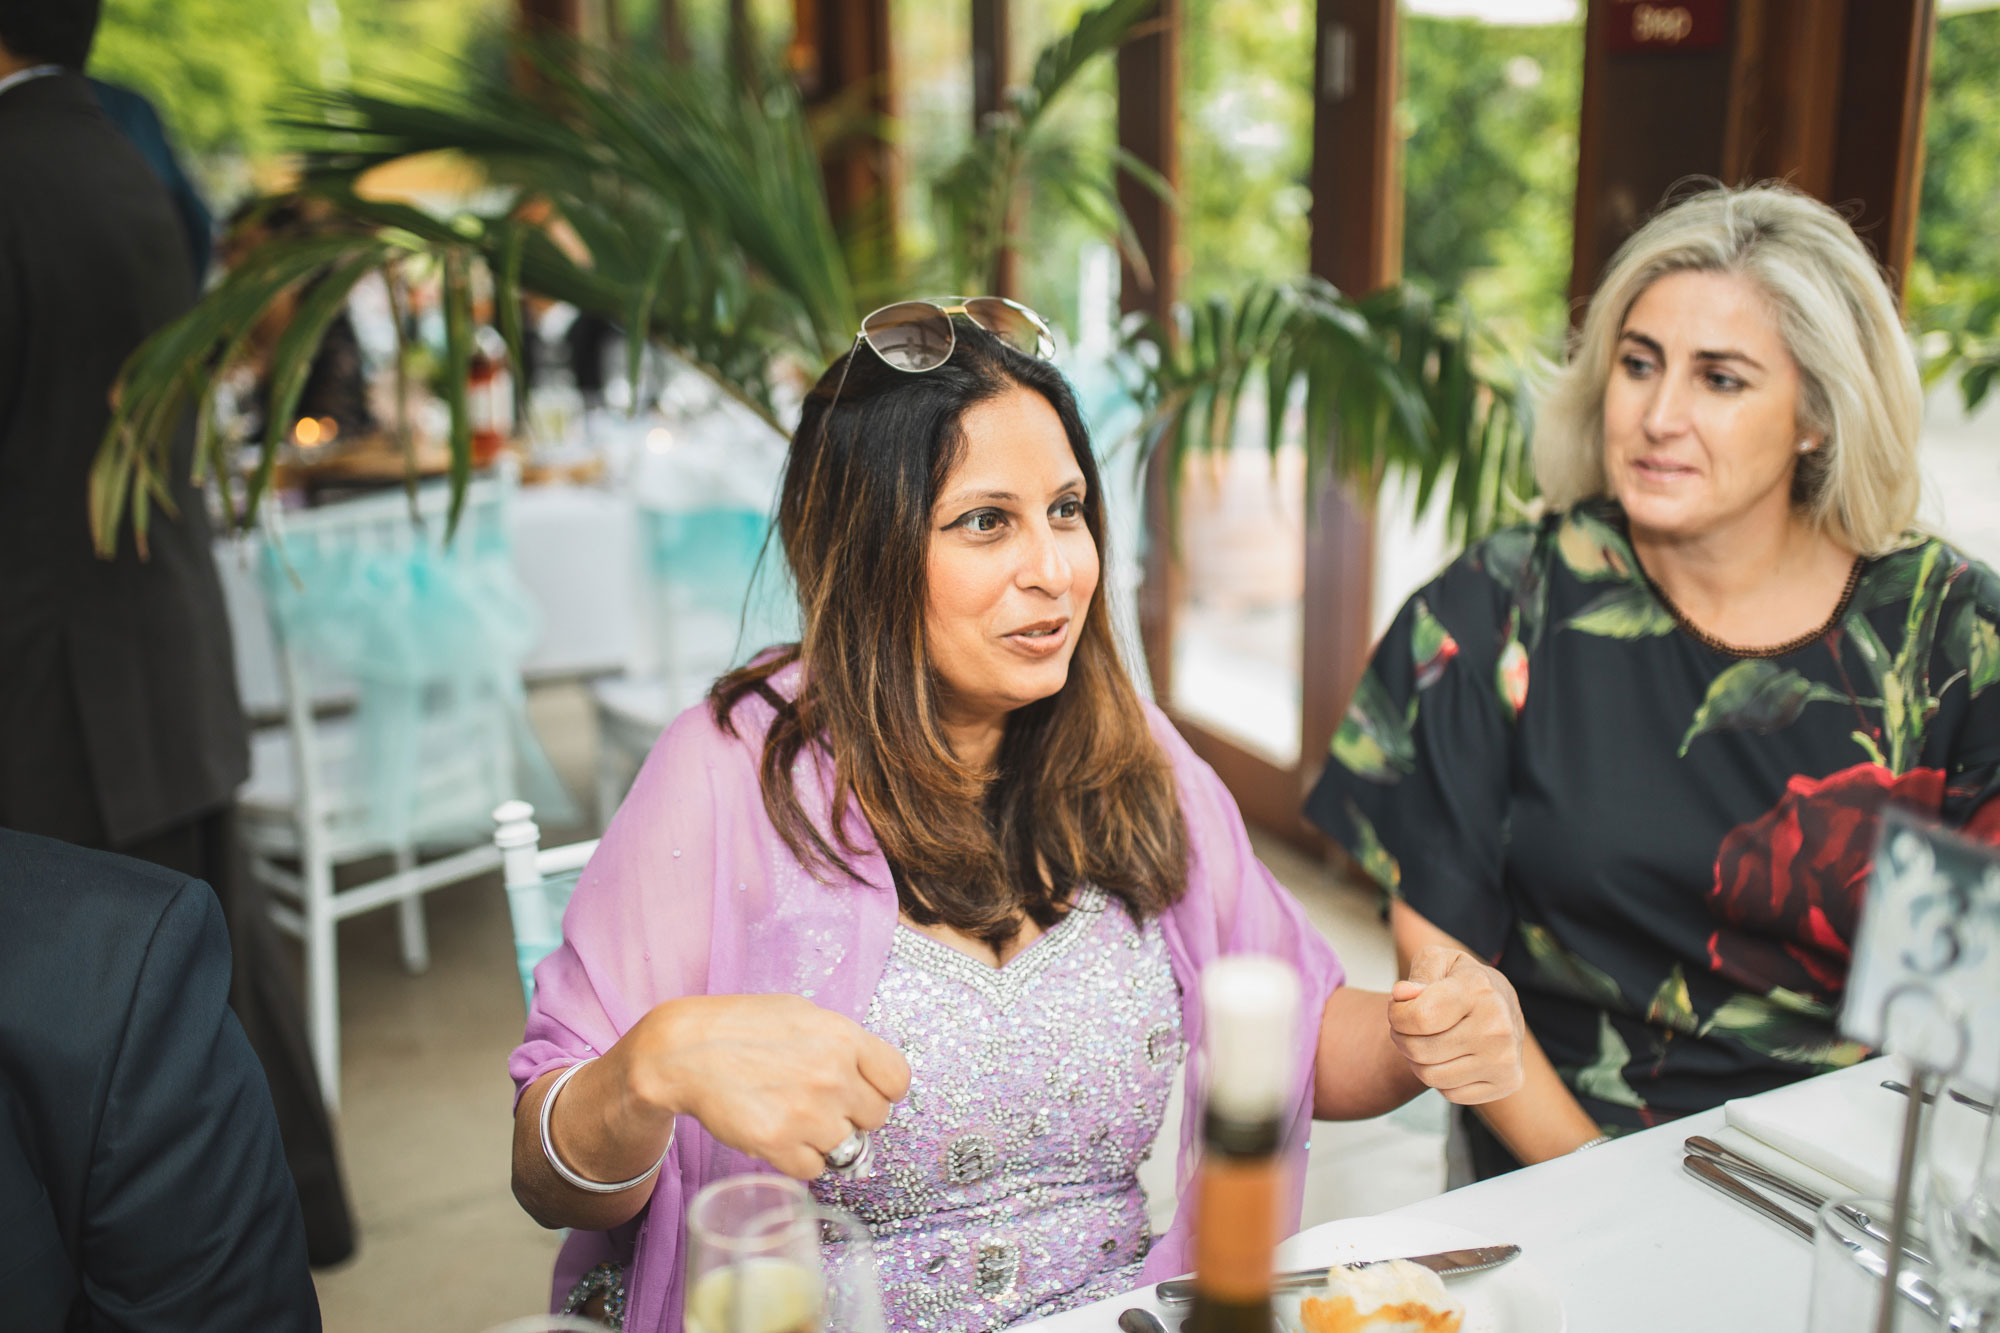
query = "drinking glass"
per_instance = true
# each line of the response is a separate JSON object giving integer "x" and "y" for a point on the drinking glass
{"x": 1962, "y": 1207}
{"x": 1849, "y": 1260}
{"x": 764, "y": 1258}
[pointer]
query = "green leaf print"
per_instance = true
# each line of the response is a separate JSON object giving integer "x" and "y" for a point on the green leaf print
{"x": 1973, "y": 646}
{"x": 1628, "y": 612}
{"x": 1785, "y": 1026}
{"x": 1604, "y": 1078}
{"x": 1507, "y": 556}
{"x": 1431, "y": 647}
{"x": 1374, "y": 737}
{"x": 1561, "y": 968}
{"x": 1510, "y": 673}
{"x": 1756, "y": 695}
{"x": 1372, "y": 855}
{"x": 1893, "y": 579}
{"x": 1592, "y": 549}
{"x": 1671, "y": 1006}
{"x": 1904, "y": 680}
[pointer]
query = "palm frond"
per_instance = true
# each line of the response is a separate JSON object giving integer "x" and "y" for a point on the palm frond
{"x": 694, "y": 214}
{"x": 1388, "y": 385}
{"x": 979, "y": 196}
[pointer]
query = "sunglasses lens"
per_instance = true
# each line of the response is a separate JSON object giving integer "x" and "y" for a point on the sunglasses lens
{"x": 1017, "y": 326}
{"x": 912, "y": 335}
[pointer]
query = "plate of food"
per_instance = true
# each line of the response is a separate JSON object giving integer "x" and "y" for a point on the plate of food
{"x": 1406, "y": 1298}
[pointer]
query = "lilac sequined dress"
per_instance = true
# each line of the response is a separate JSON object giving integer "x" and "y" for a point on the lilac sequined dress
{"x": 1005, "y": 1185}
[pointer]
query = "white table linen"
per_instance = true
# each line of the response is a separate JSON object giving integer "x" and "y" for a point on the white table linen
{"x": 1629, "y": 1240}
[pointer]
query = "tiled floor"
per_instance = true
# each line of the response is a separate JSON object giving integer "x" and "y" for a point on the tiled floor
{"x": 426, "y": 1129}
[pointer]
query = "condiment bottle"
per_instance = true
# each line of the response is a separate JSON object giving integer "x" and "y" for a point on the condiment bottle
{"x": 1250, "y": 1026}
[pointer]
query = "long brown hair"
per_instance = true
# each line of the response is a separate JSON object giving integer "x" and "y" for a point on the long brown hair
{"x": 1079, "y": 793}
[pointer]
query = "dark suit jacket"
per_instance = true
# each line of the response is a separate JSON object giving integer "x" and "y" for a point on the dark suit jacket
{"x": 142, "y": 1183}
{"x": 140, "y": 124}
{"x": 118, "y": 707}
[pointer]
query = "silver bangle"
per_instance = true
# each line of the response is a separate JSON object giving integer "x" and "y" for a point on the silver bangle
{"x": 1599, "y": 1140}
{"x": 572, "y": 1178}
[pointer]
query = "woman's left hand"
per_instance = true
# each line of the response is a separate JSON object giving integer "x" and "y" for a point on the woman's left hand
{"x": 1458, "y": 1024}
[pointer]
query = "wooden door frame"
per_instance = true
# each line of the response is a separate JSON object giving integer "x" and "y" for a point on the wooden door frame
{"x": 1356, "y": 243}
{"x": 1826, "y": 94}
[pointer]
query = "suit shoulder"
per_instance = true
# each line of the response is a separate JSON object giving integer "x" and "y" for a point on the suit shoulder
{"x": 57, "y": 896}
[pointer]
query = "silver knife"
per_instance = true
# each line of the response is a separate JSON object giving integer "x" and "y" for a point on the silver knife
{"x": 1447, "y": 1263}
{"x": 1984, "y": 1108}
{"x": 1911, "y": 1283}
{"x": 1744, "y": 1169}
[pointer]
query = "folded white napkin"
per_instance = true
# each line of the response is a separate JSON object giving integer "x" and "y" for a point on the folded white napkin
{"x": 1841, "y": 1133}
{"x": 1845, "y": 1126}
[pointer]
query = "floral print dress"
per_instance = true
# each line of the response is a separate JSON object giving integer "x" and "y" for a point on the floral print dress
{"x": 1663, "y": 844}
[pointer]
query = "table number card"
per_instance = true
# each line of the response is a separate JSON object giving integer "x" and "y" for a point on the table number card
{"x": 1930, "y": 939}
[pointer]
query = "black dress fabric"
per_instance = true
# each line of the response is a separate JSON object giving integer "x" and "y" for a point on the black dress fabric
{"x": 1662, "y": 844}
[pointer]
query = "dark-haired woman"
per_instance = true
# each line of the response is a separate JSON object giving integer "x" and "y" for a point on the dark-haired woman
{"x": 937, "y": 873}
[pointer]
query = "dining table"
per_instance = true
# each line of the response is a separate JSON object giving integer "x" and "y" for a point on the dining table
{"x": 1621, "y": 1234}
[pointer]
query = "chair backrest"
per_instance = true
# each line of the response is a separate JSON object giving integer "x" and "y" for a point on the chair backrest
{"x": 539, "y": 883}
{"x": 363, "y": 592}
{"x": 713, "y": 593}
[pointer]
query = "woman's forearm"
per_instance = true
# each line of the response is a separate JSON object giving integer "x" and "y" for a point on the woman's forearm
{"x": 1543, "y": 1119}
{"x": 1357, "y": 1071}
{"x": 601, "y": 1132}
{"x": 774, "y": 1077}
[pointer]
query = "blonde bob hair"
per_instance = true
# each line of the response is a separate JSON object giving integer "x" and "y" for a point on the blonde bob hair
{"x": 1859, "y": 389}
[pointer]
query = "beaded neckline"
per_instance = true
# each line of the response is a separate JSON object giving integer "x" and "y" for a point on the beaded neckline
{"x": 1715, "y": 645}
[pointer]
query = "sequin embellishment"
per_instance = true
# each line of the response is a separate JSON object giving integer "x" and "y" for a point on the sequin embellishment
{"x": 1005, "y": 1183}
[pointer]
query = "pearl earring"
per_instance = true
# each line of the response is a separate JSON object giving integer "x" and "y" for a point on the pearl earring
{"x": 1805, "y": 446}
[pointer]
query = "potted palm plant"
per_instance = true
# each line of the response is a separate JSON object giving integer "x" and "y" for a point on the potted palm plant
{"x": 689, "y": 207}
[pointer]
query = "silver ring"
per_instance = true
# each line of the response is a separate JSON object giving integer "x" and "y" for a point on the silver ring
{"x": 849, "y": 1157}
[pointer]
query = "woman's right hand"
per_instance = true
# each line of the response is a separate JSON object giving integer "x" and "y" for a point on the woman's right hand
{"x": 775, "y": 1077}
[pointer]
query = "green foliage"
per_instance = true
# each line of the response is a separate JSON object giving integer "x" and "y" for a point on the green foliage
{"x": 1488, "y": 116}
{"x": 694, "y": 212}
{"x": 217, "y": 68}
{"x": 979, "y": 193}
{"x": 1246, "y": 142}
{"x": 1953, "y": 294}
{"x": 1390, "y": 383}
{"x": 1961, "y": 187}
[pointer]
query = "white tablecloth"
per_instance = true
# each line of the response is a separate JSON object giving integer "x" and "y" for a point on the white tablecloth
{"x": 1629, "y": 1240}
{"x": 574, "y": 550}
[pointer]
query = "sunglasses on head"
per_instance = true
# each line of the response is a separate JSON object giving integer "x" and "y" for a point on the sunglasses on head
{"x": 916, "y": 336}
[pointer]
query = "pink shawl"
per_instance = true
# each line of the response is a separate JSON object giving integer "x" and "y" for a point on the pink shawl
{"x": 693, "y": 892}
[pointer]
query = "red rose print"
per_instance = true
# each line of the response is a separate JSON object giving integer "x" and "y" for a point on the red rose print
{"x": 1429, "y": 672}
{"x": 1513, "y": 678}
{"x": 1789, "y": 884}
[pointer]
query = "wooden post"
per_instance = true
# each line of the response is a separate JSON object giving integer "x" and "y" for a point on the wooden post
{"x": 1357, "y": 245}
{"x": 1149, "y": 129}
{"x": 992, "y": 33}
{"x": 1879, "y": 160}
{"x": 1825, "y": 94}
{"x": 841, "y": 57}
{"x": 542, "y": 20}
{"x": 543, "y": 17}
{"x": 673, "y": 34}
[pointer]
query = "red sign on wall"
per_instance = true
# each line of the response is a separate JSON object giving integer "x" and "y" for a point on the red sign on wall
{"x": 1668, "y": 25}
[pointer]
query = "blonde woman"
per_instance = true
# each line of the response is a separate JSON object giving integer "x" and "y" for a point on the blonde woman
{"x": 1634, "y": 753}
